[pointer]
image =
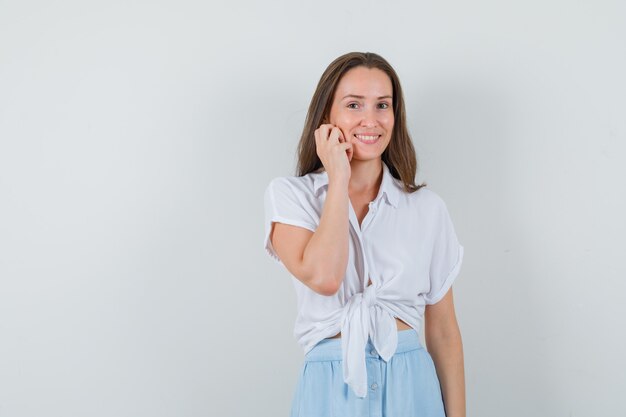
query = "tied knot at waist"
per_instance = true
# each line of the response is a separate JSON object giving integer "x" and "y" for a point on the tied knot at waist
{"x": 365, "y": 317}
{"x": 369, "y": 296}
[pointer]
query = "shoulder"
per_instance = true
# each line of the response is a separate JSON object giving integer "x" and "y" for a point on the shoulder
{"x": 291, "y": 185}
{"x": 426, "y": 199}
{"x": 292, "y": 198}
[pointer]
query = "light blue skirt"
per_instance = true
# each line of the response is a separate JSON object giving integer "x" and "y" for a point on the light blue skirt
{"x": 406, "y": 386}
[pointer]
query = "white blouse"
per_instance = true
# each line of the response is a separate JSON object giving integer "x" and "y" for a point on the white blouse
{"x": 406, "y": 245}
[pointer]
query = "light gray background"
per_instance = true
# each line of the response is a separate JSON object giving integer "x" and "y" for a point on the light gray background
{"x": 137, "y": 138}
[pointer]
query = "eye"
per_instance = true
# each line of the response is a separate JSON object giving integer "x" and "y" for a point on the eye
{"x": 383, "y": 105}
{"x": 352, "y": 104}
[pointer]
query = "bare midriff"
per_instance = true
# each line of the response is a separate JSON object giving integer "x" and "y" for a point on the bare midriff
{"x": 400, "y": 324}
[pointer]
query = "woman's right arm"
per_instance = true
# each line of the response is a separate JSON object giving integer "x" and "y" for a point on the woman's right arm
{"x": 319, "y": 259}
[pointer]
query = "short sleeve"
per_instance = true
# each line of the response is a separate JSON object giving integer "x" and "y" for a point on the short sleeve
{"x": 286, "y": 203}
{"x": 447, "y": 256}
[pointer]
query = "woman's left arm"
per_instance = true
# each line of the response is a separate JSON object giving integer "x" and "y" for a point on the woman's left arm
{"x": 443, "y": 342}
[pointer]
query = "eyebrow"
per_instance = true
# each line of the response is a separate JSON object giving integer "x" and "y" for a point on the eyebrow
{"x": 362, "y": 97}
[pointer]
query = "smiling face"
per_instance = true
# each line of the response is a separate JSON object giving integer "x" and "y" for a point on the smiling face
{"x": 363, "y": 109}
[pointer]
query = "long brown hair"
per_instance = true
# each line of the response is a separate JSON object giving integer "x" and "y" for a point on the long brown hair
{"x": 399, "y": 155}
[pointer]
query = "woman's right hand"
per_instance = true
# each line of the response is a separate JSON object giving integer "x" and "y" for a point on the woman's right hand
{"x": 334, "y": 151}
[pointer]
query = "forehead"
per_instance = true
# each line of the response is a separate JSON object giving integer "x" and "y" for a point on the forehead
{"x": 364, "y": 81}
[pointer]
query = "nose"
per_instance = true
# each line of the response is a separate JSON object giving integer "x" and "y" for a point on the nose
{"x": 369, "y": 118}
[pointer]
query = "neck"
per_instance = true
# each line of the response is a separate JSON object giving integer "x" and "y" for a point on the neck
{"x": 365, "y": 176}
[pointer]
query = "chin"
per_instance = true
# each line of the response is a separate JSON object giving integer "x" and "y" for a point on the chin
{"x": 366, "y": 157}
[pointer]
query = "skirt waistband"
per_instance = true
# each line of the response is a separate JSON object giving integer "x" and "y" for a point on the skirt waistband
{"x": 330, "y": 349}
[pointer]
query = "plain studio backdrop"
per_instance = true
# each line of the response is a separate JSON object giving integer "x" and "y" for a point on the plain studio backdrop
{"x": 137, "y": 138}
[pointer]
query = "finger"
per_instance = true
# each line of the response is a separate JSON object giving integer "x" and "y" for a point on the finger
{"x": 324, "y": 130}
{"x": 334, "y": 135}
{"x": 343, "y": 138}
{"x": 318, "y": 136}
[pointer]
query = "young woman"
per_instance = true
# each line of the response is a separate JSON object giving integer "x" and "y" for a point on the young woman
{"x": 371, "y": 255}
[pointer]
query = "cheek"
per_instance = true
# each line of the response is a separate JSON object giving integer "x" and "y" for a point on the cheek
{"x": 387, "y": 125}
{"x": 390, "y": 123}
{"x": 344, "y": 121}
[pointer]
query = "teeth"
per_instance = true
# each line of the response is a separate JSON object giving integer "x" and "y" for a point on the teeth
{"x": 369, "y": 138}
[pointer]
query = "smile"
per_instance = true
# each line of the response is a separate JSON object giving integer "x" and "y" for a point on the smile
{"x": 367, "y": 138}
